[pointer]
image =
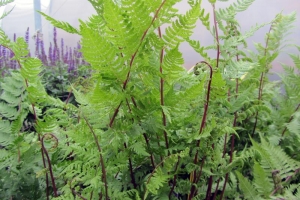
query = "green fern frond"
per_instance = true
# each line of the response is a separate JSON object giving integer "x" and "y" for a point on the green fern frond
{"x": 98, "y": 6}
{"x": 218, "y": 85}
{"x": 237, "y": 69}
{"x": 7, "y": 111}
{"x": 120, "y": 31}
{"x": 193, "y": 92}
{"x": 205, "y": 19}
{"x": 62, "y": 25}
{"x": 241, "y": 100}
{"x": 297, "y": 195}
{"x": 4, "y": 39}
{"x": 294, "y": 125}
{"x": 274, "y": 158}
{"x": 242, "y": 5}
{"x": 225, "y": 14}
{"x": 167, "y": 12}
{"x": 296, "y": 60}
{"x": 4, "y": 3}
{"x": 139, "y": 148}
{"x": 172, "y": 65}
{"x": 281, "y": 26}
{"x": 182, "y": 28}
{"x": 229, "y": 13}
{"x": 139, "y": 14}
{"x": 5, "y": 131}
{"x": 198, "y": 48}
{"x": 263, "y": 109}
{"x": 261, "y": 181}
{"x": 157, "y": 181}
{"x": 236, "y": 40}
{"x": 31, "y": 68}
{"x": 4, "y": 14}
{"x": 247, "y": 188}
{"x": 97, "y": 50}
{"x": 158, "y": 178}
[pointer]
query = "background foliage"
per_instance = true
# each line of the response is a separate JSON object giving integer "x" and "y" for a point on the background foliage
{"x": 142, "y": 127}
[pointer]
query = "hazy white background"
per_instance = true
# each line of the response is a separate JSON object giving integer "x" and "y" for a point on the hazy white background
{"x": 71, "y": 10}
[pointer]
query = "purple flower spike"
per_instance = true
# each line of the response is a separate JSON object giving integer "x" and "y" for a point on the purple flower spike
{"x": 4, "y": 56}
{"x": 70, "y": 63}
{"x": 54, "y": 37}
{"x": 62, "y": 49}
{"x": 54, "y": 54}
{"x": 66, "y": 57}
{"x": 50, "y": 57}
{"x": 78, "y": 46}
{"x": 1, "y": 60}
{"x": 12, "y": 63}
{"x": 43, "y": 56}
{"x": 27, "y": 36}
{"x": 57, "y": 55}
{"x": 37, "y": 44}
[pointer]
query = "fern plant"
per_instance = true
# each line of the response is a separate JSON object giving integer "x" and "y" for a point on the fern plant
{"x": 273, "y": 171}
{"x": 145, "y": 128}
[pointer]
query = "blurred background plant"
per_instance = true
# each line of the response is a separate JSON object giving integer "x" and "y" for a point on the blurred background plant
{"x": 62, "y": 64}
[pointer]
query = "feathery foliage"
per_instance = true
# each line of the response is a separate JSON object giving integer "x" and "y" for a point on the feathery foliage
{"x": 145, "y": 128}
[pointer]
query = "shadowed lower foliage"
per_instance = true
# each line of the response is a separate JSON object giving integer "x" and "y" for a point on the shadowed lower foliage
{"x": 142, "y": 126}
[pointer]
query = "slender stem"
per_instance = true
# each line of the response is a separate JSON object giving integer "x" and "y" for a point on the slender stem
{"x": 131, "y": 170}
{"x": 164, "y": 120}
{"x": 127, "y": 102}
{"x": 132, "y": 59}
{"x": 44, "y": 164}
{"x": 148, "y": 145}
{"x": 152, "y": 173}
{"x": 225, "y": 142}
{"x": 114, "y": 115}
{"x": 202, "y": 122}
{"x": 261, "y": 82}
{"x": 68, "y": 98}
{"x": 210, "y": 180}
{"x": 133, "y": 101}
{"x": 173, "y": 186}
{"x": 19, "y": 110}
{"x": 174, "y": 178}
{"x": 224, "y": 152}
{"x": 76, "y": 194}
{"x": 129, "y": 159}
{"x": 101, "y": 158}
{"x": 91, "y": 195}
{"x": 208, "y": 192}
{"x": 195, "y": 180}
{"x": 232, "y": 140}
{"x": 207, "y": 100}
{"x": 49, "y": 162}
{"x": 216, "y": 190}
{"x": 205, "y": 107}
{"x": 144, "y": 134}
{"x": 217, "y": 35}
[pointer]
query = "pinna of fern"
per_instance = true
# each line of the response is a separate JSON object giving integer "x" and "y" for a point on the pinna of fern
{"x": 128, "y": 136}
